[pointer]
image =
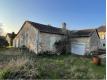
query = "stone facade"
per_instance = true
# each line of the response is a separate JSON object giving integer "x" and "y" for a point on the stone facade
{"x": 28, "y": 36}
{"x": 91, "y": 43}
{"x": 46, "y": 41}
{"x": 94, "y": 42}
{"x": 39, "y": 38}
{"x": 10, "y": 37}
{"x": 35, "y": 40}
{"x": 8, "y": 40}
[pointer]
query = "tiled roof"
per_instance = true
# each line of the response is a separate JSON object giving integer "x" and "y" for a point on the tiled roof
{"x": 46, "y": 28}
{"x": 82, "y": 33}
{"x": 55, "y": 30}
{"x": 11, "y": 35}
{"x": 102, "y": 28}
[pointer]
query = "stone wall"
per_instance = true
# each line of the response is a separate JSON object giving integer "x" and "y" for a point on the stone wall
{"x": 35, "y": 40}
{"x": 28, "y": 36}
{"x": 8, "y": 40}
{"x": 47, "y": 40}
{"x": 94, "y": 42}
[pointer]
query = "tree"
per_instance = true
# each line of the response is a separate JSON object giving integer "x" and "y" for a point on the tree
{"x": 3, "y": 42}
{"x": 12, "y": 37}
{"x": 62, "y": 46}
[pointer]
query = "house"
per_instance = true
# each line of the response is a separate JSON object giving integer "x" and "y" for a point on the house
{"x": 10, "y": 37}
{"x": 102, "y": 35}
{"x": 84, "y": 41}
{"x": 39, "y": 38}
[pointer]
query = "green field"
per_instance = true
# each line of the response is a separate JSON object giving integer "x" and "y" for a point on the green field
{"x": 23, "y": 65}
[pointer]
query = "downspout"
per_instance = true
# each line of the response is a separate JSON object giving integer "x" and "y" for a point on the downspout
{"x": 37, "y": 41}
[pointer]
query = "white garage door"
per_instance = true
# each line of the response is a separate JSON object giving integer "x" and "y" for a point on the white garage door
{"x": 78, "y": 48}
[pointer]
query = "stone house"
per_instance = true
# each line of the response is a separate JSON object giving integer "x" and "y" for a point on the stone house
{"x": 102, "y": 35}
{"x": 39, "y": 38}
{"x": 10, "y": 37}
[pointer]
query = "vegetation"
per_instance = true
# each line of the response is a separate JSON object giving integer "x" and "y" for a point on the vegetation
{"x": 3, "y": 42}
{"x": 23, "y": 65}
{"x": 60, "y": 46}
{"x": 12, "y": 37}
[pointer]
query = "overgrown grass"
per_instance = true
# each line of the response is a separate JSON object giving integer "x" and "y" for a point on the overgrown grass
{"x": 24, "y": 65}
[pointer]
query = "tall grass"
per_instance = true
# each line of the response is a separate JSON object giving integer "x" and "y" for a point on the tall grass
{"x": 30, "y": 66}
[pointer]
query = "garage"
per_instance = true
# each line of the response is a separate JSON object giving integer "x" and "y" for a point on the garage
{"x": 78, "y": 48}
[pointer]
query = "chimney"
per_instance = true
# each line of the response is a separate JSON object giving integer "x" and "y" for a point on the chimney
{"x": 49, "y": 24}
{"x": 64, "y": 26}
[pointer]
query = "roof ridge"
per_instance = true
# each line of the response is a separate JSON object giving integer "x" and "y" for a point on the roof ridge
{"x": 46, "y": 28}
{"x": 42, "y": 24}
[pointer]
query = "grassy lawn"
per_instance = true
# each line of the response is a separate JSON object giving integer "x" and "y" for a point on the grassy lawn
{"x": 24, "y": 65}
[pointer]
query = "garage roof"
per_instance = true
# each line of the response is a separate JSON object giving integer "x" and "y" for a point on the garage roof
{"x": 82, "y": 33}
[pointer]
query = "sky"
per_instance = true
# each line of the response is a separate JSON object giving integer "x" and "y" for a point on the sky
{"x": 78, "y": 14}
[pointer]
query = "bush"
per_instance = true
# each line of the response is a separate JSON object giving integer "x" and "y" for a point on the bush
{"x": 90, "y": 54}
{"x": 60, "y": 46}
{"x": 46, "y": 53}
{"x": 21, "y": 68}
{"x": 3, "y": 42}
{"x": 49, "y": 66}
{"x": 4, "y": 73}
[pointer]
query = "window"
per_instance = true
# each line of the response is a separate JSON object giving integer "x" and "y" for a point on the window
{"x": 104, "y": 45}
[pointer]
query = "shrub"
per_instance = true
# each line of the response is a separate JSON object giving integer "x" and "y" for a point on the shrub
{"x": 60, "y": 46}
{"x": 3, "y": 42}
{"x": 4, "y": 73}
{"x": 49, "y": 66}
{"x": 46, "y": 53}
{"x": 21, "y": 68}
